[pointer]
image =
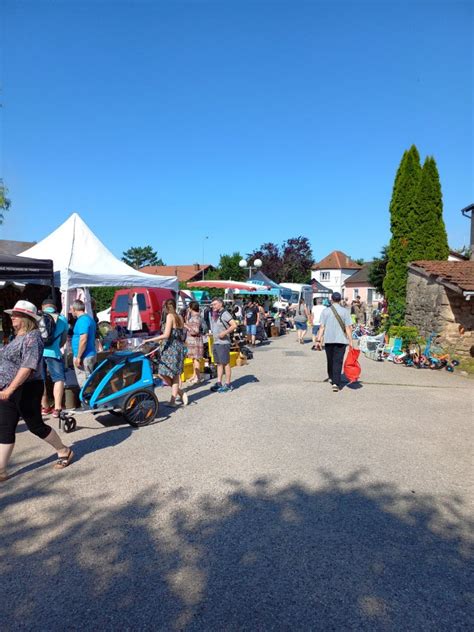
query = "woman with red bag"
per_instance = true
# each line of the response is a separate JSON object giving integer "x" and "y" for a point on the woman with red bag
{"x": 336, "y": 331}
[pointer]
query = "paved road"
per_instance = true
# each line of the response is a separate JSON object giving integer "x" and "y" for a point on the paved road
{"x": 280, "y": 506}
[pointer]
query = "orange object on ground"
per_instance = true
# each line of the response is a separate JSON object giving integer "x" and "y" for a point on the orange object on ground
{"x": 352, "y": 366}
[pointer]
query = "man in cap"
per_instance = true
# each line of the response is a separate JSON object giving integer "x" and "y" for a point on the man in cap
{"x": 336, "y": 331}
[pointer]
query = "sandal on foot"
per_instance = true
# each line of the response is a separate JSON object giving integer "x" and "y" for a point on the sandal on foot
{"x": 46, "y": 411}
{"x": 64, "y": 461}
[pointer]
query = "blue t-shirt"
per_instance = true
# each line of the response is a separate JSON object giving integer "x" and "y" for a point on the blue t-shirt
{"x": 54, "y": 350}
{"x": 84, "y": 325}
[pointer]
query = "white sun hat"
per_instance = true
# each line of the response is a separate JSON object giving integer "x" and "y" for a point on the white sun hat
{"x": 24, "y": 307}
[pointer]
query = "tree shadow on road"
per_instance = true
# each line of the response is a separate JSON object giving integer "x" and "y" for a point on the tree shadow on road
{"x": 348, "y": 555}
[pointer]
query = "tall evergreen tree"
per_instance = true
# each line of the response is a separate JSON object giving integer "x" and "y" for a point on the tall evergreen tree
{"x": 404, "y": 216}
{"x": 431, "y": 232}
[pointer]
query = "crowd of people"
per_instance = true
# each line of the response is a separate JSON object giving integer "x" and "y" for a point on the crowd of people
{"x": 36, "y": 351}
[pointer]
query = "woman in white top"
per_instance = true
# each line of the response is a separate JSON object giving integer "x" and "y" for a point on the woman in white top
{"x": 316, "y": 312}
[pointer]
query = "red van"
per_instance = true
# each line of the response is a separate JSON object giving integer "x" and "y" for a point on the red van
{"x": 150, "y": 303}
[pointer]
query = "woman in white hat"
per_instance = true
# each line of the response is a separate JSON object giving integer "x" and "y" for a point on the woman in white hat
{"x": 21, "y": 387}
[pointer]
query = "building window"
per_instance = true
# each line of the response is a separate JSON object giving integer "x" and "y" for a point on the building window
{"x": 325, "y": 276}
{"x": 356, "y": 293}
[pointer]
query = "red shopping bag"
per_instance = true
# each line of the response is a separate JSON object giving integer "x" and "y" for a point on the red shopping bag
{"x": 352, "y": 366}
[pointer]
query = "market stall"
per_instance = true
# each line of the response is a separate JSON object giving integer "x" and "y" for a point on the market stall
{"x": 81, "y": 260}
{"x": 21, "y": 277}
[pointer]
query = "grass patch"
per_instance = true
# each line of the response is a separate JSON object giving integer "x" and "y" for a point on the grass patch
{"x": 466, "y": 364}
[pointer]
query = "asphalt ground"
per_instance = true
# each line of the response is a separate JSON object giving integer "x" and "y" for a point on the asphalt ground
{"x": 279, "y": 506}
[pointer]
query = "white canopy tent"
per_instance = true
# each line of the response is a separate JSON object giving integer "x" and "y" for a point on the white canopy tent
{"x": 81, "y": 260}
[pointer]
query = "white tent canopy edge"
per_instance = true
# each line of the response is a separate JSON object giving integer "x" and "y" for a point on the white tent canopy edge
{"x": 81, "y": 260}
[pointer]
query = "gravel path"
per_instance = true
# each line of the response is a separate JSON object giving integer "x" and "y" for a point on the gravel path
{"x": 280, "y": 506}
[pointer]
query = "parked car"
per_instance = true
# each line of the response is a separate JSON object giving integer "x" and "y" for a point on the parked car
{"x": 150, "y": 303}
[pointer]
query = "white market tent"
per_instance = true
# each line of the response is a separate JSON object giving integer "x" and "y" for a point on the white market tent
{"x": 81, "y": 260}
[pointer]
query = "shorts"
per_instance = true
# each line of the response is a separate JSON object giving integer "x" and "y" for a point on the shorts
{"x": 301, "y": 326}
{"x": 221, "y": 354}
{"x": 251, "y": 330}
{"x": 316, "y": 329}
{"x": 88, "y": 368}
{"x": 55, "y": 368}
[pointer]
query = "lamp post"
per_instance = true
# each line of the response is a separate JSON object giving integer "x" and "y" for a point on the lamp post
{"x": 257, "y": 264}
{"x": 468, "y": 212}
{"x": 203, "y": 244}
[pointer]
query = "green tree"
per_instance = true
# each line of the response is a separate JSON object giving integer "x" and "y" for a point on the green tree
{"x": 140, "y": 256}
{"x": 378, "y": 270}
{"x": 404, "y": 215}
{"x": 430, "y": 240}
{"x": 103, "y": 296}
{"x": 4, "y": 201}
{"x": 297, "y": 260}
{"x": 229, "y": 267}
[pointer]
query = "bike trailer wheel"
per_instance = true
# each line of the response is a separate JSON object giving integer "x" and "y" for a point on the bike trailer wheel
{"x": 140, "y": 408}
{"x": 70, "y": 424}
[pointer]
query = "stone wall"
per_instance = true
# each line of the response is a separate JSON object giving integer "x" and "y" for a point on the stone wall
{"x": 433, "y": 307}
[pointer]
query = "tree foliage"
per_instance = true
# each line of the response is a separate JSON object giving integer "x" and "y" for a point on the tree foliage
{"x": 430, "y": 240}
{"x": 403, "y": 215}
{"x": 297, "y": 260}
{"x": 140, "y": 256}
{"x": 4, "y": 201}
{"x": 229, "y": 267}
{"x": 289, "y": 263}
{"x": 378, "y": 270}
{"x": 103, "y": 296}
{"x": 417, "y": 226}
{"x": 272, "y": 262}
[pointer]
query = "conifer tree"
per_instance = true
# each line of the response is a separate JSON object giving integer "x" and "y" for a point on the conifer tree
{"x": 404, "y": 216}
{"x": 431, "y": 230}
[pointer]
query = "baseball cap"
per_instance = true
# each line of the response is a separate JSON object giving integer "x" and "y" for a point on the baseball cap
{"x": 336, "y": 296}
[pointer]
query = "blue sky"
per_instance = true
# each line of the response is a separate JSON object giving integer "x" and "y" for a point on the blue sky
{"x": 162, "y": 123}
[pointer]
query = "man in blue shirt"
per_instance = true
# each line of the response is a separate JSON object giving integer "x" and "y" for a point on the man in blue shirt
{"x": 83, "y": 343}
{"x": 53, "y": 359}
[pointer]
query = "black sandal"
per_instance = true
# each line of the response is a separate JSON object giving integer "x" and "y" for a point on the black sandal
{"x": 64, "y": 461}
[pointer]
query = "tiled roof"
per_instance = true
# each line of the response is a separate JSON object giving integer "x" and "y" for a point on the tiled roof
{"x": 361, "y": 276}
{"x": 184, "y": 273}
{"x": 337, "y": 260}
{"x": 8, "y": 247}
{"x": 459, "y": 273}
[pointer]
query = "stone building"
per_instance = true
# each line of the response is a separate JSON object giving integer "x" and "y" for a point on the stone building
{"x": 440, "y": 298}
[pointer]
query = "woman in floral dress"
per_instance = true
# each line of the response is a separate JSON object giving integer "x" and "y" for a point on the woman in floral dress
{"x": 172, "y": 353}
{"x": 194, "y": 340}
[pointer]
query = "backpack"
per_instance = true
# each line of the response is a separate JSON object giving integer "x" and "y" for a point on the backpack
{"x": 47, "y": 326}
{"x": 47, "y": 329}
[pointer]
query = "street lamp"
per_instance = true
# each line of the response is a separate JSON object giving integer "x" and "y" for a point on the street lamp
{"x": 255, "y": 266}
{"x": 203, "y": 244}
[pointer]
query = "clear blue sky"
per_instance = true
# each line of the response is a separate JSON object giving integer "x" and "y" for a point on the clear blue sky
{"x": 164, "y": 122}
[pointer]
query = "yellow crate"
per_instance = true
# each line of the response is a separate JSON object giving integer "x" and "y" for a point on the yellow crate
{"x": 188, "y": 369}
{"x": 233, "y": 358}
